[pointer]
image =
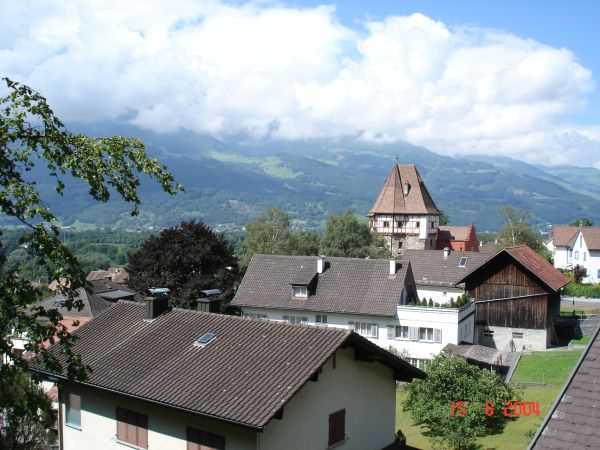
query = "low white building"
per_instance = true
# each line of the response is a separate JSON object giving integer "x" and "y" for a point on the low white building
{"x": 560, "y": 244}
{"x": 374, "y": 297}
{"x": 173, "y": 379}
{"x": 437, "y": 272}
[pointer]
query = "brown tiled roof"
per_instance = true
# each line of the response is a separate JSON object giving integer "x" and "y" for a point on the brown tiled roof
{"x": 455, "y": 233}
{"x": 562, "y": 235}
{"x": 391, "y": 199}
{"x": 430, "y": 268}
{"x": 348, "y": 285}
{"x": 244, "y": 376}
{"x": 591, "y": 235}
{"x": 574, "y": 420}
{"x": 531, "y": 261}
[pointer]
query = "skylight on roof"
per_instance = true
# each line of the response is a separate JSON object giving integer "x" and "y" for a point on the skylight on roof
{"x": 205, "y": 339}
{"x": 462, "y": 262}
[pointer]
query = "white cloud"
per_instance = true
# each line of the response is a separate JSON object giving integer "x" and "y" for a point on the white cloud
{"x": 264, "y": 68}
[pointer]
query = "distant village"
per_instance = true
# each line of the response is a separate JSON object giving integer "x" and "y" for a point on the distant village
{"x": 313, "y": 348}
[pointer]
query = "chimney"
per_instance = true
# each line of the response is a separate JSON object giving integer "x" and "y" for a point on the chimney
{"x": 393, "y": 266}
{"x": 446, "y": 252}
{"x": 320, "y": 264}
{"x": 155, "y": 306}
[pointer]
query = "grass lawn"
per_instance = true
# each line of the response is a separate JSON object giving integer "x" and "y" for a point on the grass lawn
{"x": 583, "y": 340}
{"x": 551, "y": 368}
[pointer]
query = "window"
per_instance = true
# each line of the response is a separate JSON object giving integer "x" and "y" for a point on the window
{"x": 321, "y": 318}
{"x": 489, "y": 333}
{"x": 365, "y": 329}
{"x": 386, "y": 224}
{"x": 399, "y": 224}
{"x": 426, "y": 334}
{"x": 517, "y": 335}
{"x": 205, "y": 339}
{"x": 399, "y": 244}
{"x": 585, "y": 256}
{"x": 418, "y": 363}
{"x": 576, "y": 254}
{"x": 598, "y": 274}
{"x": 204, "y": 440}
{"x": 73, "y": 410}
{"x": 398, "y": 332}
{"x": 337, "y": 427}
{"x": 418, "y": 224}
{"x": 300, "y": 291}
{"x": 256, "y": 316}
{"x": 132, "y": 428}
{"x": 295, "y": 319}
{"x": 463, "y": 261}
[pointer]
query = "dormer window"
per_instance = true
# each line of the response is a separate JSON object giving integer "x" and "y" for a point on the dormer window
{"x": 300, "y": 291}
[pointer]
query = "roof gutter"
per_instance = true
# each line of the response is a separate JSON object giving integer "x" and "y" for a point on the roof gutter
{"x": 52, "y": 375}
{"x": 542, "y": 427}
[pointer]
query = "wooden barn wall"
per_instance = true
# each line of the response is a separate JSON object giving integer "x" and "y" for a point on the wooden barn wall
{"x": 503, "y": 281}
{"x": 529, "y": 312}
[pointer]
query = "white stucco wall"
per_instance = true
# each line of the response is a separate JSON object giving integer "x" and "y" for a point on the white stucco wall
{"x": 441, "y": 295}
{"x": 444, "y": 319}
{"x": 503, "y": 339}
{"x": 562, "y": 258}
{"x": 367, "y": 391}
{"x": 583, "y": 257}
{"x": 166, "y": 427}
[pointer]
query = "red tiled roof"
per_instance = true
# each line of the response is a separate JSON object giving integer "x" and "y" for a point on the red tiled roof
{"x": 562, "y": 235}
{"x": 455, "y": 233}
{"x": 392, "y": 200}
{"x": 538, "y": 265}
{"x": 533, "y": 262}
{"x": 591, "y": 235}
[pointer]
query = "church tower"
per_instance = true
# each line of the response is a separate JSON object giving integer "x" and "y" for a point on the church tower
{"x": 404, "y": 212}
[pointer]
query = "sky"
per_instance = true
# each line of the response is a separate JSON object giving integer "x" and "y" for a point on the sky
{"x": 505, "y": 78}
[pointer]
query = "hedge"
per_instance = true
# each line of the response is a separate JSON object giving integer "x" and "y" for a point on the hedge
{"x": 582, "y": 290}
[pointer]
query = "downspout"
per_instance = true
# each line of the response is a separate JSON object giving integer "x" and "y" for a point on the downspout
{"x": 60, "y": 417}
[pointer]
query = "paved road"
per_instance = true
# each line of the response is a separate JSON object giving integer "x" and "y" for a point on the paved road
{"x": 580, "y": 301}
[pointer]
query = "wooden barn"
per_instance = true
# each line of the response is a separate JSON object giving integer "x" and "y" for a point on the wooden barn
{"x": 517, "y": 300}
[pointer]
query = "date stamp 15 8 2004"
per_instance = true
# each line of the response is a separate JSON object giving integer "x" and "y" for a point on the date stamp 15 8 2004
{"x": 515, "y": 408}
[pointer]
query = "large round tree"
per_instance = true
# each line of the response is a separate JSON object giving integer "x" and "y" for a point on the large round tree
{"x": 187, "y": 258}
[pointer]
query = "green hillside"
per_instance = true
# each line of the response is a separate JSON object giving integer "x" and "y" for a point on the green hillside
{"x": 229, "y": 181}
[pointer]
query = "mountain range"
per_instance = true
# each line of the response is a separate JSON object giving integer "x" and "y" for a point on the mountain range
{"x": 228, "y": 181}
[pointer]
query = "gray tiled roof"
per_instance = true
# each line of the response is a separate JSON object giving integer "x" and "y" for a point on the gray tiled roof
{"x": 574, "y": 421}
{"x": 430, "y": 268}
{"x": 347, "y": 285}
{"x": 245, "y": 375}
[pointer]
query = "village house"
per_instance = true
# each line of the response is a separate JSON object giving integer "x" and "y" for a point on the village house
{"x": 437, "y": 272}
{"x": 576, "y": 246}
{"x": 374, "y": 297}
{"x": 169, "y": 379}
{"x": 404, "y": 213}
{"x": 517, "y": 300}
{"x": 457, "y": 238}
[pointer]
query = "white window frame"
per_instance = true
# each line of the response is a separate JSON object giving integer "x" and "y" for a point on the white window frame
{"x": 321, "y": 319}
{"x": 70, "y": 412}
{"x": 295, "y": 320}
{"x": 300, "y": 291}
{"x": 436, "y": 334}
{"x": 365, "y": 329}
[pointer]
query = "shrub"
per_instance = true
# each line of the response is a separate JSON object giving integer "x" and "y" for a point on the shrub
{"x": 582, "y": 290}
{"x": 430, "y": 304}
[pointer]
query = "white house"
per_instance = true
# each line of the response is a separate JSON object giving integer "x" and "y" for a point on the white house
{"x": 586, "y": 253}
{"x": 560, "y": 244}
{"x": 373, "y": 297}
{"x": 437, "y": 272}
{"x": 577, "y": 246}
{"x": 173, "y": 379}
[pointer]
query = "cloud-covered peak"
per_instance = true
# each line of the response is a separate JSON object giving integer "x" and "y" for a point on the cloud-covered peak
{"x": 267, "y": 69}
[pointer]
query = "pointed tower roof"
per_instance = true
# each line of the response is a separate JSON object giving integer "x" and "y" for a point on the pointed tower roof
{"x": 404, "y": 192}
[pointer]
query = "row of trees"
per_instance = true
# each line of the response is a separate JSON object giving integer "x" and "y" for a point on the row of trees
{"x": 344, "y": 235}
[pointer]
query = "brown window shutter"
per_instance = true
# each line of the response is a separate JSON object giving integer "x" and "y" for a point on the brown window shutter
{"x": 337, "y": 427}
{"x": 121, "y": 425}
{"x": 204, "y": 440}
{"x": 142, "y": 430}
